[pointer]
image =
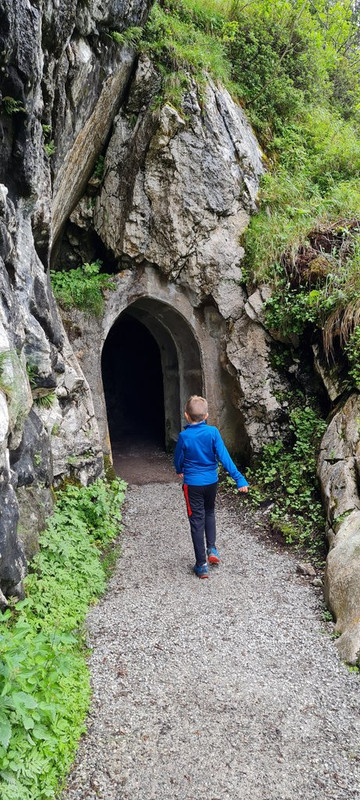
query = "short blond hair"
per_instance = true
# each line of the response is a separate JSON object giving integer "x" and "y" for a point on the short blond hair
{"x": 196, "y": 408}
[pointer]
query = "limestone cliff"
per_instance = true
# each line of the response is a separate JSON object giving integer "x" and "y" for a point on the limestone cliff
{"x": 59, "y": 65}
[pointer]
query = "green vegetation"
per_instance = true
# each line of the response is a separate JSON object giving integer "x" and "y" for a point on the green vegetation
{"x": 294, "y": 68}
{"x": 352, "y": 349}
{"x": 12, "y": 106}
{"x": 285, "y": 477}
{"x": 99, "y": 168}
{"x": 44, "y": 681}
{"x": 32, "y": 373}
{"x": 177, "y": 40}
{"x": 50, "y": 148}
{"x": 82, "y": 287}
{"x": 46, "y": 400}
{"x": 131, "y": 36}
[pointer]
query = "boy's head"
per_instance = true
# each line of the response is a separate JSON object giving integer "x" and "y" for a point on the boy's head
{"x": 196, "y": 409}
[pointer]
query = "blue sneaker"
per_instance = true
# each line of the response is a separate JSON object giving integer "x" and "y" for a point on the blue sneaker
{"x": 201, "y": 570}
{"x": 213, "y": 556}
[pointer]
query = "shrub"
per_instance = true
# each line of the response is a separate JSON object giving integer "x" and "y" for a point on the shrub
{"x": 286, "y": 476}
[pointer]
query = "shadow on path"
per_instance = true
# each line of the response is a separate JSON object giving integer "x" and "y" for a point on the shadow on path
{"x": 140, "y": 460}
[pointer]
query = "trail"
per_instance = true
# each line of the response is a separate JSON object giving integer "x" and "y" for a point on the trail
{"x": 225, "y": 688}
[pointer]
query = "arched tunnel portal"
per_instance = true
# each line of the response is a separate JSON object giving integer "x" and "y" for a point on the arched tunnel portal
{"x": 151, "y": 363}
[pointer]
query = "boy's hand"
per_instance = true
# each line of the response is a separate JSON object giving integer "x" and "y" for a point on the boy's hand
{"x": 243, "y": 488}
{"x": 181, "y": 475}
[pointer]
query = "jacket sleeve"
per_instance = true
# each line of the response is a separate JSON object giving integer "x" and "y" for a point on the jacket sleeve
{"x": 223, "y": 456}
{"x": 179, "y": 455}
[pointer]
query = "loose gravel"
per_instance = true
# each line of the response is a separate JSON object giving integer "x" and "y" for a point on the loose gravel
{"x": 225, "y": 688}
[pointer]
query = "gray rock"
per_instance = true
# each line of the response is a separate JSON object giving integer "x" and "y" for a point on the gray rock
{"x": 185, "y": 197}
{"x": 306, "y": 569}
{"x": 348, "y": 644}
{"x": 342, "y": 574}
{"x": 12, "y": 557}
{"x": 338, "y": 470}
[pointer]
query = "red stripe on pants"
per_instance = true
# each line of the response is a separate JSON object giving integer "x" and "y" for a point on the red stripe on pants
{"x": 187, "y": 501}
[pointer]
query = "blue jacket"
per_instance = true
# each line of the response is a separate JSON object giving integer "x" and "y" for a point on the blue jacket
{"x": 198, "y": 451}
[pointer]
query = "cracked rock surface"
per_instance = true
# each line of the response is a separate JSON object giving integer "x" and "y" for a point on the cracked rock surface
{"x": 225, "y": 688}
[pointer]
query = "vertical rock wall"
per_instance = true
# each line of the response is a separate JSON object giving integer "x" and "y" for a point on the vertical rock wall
{"x": 60, "y": 69}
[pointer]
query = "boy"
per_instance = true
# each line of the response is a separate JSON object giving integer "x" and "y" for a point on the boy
{"x": 199, "y": 449}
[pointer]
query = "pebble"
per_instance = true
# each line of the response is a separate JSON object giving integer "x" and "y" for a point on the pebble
{"x": 227, "y": 688}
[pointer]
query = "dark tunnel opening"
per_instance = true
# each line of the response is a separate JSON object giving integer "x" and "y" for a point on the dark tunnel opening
{"x": 133, "y": 384}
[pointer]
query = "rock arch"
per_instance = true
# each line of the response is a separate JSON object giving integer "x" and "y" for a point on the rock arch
{"x": 190, "y": 340}
{"x": 179, "y": 354}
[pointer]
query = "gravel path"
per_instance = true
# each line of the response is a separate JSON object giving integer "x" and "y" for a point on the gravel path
{"x": 225, "y": 688}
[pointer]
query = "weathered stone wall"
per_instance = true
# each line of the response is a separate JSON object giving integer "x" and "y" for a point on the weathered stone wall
{"x": 60, "y": 70}
{"x": 339, "y": 474}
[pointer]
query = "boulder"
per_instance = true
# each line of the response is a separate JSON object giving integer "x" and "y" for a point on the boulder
{"x": 342, "y": 574}
{"x": 338, "y": 470}
{"x": 178, "y": 195}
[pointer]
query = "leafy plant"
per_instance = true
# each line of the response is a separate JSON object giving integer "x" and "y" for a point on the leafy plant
{"x": 32, "y": 373}
{"x": 82, "y": 287}
{"x": 12, "y": 106}
{"x": 286, "y": 476}
{"x": 352, "y": 350}
{"x": 44, "y": 681}
{"x": 50, "y": 148}
{"x": 99, "y": 168}
{"x": 46, "y": 400}
{"x": 131, "y": 36}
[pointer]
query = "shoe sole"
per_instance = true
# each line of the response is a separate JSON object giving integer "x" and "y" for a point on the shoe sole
{"x": 206, "y": 575}
{"x": 213, "y": 560}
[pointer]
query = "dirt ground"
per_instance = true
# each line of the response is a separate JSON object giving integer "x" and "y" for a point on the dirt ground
{"x": 140, "y": 462}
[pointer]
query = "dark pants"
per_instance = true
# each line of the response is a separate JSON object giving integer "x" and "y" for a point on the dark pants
{"x": 200, "y": 503}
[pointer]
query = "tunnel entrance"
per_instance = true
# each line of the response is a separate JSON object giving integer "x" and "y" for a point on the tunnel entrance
{"x": 133, "y": 383}
{"x": 150, "y": 364}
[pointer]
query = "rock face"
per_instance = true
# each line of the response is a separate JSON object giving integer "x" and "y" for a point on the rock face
{"x": 185, "y": 200}
{"x": 339, "y": 473}
{"x": 60, "y": 70}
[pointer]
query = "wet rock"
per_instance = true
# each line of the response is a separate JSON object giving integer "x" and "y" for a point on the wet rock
{"x": 12, "y": 560}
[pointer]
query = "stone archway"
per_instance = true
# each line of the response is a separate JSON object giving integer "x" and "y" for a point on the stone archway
{"x": 149, "y": 337}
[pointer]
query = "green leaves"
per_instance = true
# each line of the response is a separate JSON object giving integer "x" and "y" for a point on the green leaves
{"x": 44, "y": 681}
{"x": 5, "y": 731}
{"x": 352, "y": 350}
{"x": 287, "y": 477}
{"x": 82, "y": 287}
